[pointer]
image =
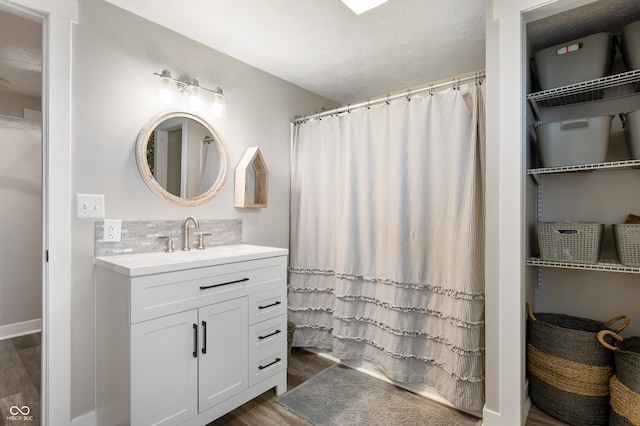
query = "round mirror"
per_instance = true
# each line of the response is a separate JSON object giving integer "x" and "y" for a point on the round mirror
{"x": 181, "y": 158}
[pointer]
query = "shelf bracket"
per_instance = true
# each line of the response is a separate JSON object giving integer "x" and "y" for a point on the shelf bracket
{"x": 536, "y": 178}
{"x": 536, "y": 109}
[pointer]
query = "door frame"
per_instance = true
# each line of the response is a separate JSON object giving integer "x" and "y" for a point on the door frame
{"x": 57, "y": 17}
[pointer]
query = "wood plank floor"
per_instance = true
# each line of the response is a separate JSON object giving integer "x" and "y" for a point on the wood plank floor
{"x": 20, "y": 378}
{"x": 20, "y": 385}
{"x": 265, "y": 411}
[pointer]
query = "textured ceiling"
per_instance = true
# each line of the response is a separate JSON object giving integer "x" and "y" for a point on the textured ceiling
{"x": 601, "y": 16}
{"x": 322, "y": 46}
{"x": 20, "y": 55}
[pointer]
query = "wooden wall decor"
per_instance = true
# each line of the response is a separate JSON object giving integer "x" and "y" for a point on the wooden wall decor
{"x": 251, "y": 180}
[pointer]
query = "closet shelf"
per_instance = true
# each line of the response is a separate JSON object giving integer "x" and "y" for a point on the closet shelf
{"x": 609, "y": 87}
{"x": 613, "y": 165}
{"x": 608, "y": 265}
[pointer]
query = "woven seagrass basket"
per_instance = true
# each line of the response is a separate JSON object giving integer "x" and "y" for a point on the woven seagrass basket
{"x": 625, "y": 384}
{"x": 568, "y": 369}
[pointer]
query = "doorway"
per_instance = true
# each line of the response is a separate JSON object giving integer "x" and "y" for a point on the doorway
{"x": 21, "y": 230}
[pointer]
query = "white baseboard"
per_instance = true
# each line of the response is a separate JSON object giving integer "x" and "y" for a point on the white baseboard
{"x": 20, "y": 328}
{"x": 87, "y": 419}
{"x": 490, "y": 417}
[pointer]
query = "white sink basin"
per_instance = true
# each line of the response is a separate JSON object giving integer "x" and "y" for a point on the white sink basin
{"x": 153, "y": 263}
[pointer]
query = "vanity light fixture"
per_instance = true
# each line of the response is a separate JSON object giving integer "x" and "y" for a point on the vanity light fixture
{"x": 190, "y": 88}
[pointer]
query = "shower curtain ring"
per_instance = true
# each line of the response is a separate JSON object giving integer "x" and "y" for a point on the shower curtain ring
{"x": 387, "y": 101}
{"x": 368, "y": 103}
{"x": 409, "y": 95}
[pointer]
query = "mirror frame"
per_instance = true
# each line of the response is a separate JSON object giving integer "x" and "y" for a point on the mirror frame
{"x": 149, "y": 179}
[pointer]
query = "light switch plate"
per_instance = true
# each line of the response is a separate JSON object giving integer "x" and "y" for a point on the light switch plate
{"x": 89, "y": 206}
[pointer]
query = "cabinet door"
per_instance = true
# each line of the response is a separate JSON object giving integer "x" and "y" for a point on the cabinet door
{"x": 164, "y": 370}
{"x": 224, "y": 351}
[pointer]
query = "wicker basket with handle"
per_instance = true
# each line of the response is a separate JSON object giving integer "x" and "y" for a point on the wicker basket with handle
{"x": 625, "y": 384}
{"x": 568, "y": 369}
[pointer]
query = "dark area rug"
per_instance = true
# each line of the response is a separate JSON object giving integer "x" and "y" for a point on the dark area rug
{"x": 340, "y": 396}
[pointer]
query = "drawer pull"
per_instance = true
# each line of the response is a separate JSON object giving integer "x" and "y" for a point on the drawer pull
{"x": 269, "y": 335}
{"x": 268, "y": 306}
{"x": 204, "y": 337}
{"x": 195, "y": 340}
{"x": 204, "y": 287}
{"x": 262, "y": 367}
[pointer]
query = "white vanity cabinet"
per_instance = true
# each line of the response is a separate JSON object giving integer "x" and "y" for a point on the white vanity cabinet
{"x": 184, "y": 339}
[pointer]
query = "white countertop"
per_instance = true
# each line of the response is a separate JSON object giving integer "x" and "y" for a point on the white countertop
{"x": 153, "y": 263}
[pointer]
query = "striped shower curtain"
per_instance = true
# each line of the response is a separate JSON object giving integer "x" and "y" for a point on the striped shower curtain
{"x": 387, "y": 239}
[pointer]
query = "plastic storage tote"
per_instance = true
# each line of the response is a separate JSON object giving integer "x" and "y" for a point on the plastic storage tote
{"x": 631, "y": 125}
{"x": 627, "y": 238}
{"x": 631, "y": 45}
{"x": 572, "y": 142}
{"x": 570, "y": 242}
{"x": 578, "y": 60}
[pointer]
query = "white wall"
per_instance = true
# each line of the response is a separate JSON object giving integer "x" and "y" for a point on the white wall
{"x": 21, "y": 225}
{"x": 492, "y": 222}
{"x": 114, "y": 95}
{"x": 13, "y": 105}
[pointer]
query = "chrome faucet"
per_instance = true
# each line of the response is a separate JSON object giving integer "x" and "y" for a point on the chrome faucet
{"x": 185, "y": 232}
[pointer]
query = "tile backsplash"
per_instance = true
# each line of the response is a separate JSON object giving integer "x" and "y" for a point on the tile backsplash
{"x": 141, "y": 236}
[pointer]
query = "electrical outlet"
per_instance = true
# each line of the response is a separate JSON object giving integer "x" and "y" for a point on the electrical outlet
{"x": 89, "y": 206}
{"x": 112, "y": 230}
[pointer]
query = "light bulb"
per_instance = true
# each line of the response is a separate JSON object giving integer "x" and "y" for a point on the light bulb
{"x": 195, "y": 101}
{"x": 219, "y": 106}
{"x": 166, "y": 94}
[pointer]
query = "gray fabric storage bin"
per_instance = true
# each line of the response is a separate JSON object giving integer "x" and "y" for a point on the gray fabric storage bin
{"x": 572, "y": 142}
{"x": 631, "y": 45}
{"x": 631, "y": 125}
{"x": 578, "y": 60}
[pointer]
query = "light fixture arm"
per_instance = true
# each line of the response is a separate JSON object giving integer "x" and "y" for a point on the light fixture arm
{"x": 185, "y": 81}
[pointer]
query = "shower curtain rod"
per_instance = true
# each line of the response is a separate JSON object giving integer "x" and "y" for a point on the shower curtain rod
{"x": 408, "y": 93}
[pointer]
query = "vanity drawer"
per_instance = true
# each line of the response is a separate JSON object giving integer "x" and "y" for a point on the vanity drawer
{"x": 153, "y": 296}
{"x": 267, "y": 334}
{"x": 267, "y": 363}
{"x": 267, "y": 304}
